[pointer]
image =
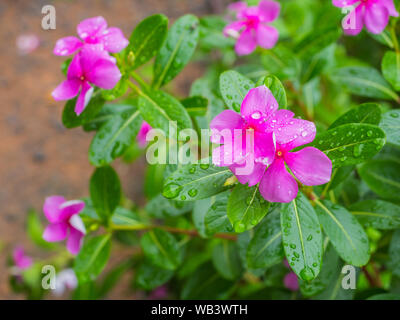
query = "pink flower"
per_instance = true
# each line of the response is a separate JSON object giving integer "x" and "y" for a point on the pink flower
{"x": 373, "y": 13}
{"x": 92, "y": 31}
{"x": 21, "y": 260}
{"x": 90, "y": 65}
{"x": 141, "y": 137}
{"x": 27, "y": 43}
{"x": 159, "y": 293}
{"x": 252, "y": 26}
{"x": 290, "y": 281}
{"x": 276, "y": 133}
{"x": 65, "y": 280}
{"x": 65, "y": 222}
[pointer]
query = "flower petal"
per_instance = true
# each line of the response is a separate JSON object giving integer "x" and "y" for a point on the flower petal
{"x": 141, "y": 136}
{"x": 259, "y": 99}
{"x": 251, "y": 178}
{"x": 55, "y": 232}
{"x": 83, "y": 98}
{"x": 268, "y": 10}
{"x": 246, "y": 43}
{"x": 267, "y": 36}
{"x": 70, "y": 208}
{"x": 354, "y": 21}
{"x": 277, "y": 185}
{"x": 291, "y": 282}
{"x": 75, "y": 69}
{"x": 66, "y": 46}
{"x": 51, "y": 208}
{"x": 74, "y": 241}
{"x": 391, "y": 8}
{"x": 310, "y": 165}
{"x": 21, "y": 260}
{"x": 92, "y": 27}
{"x": 113, "y": 40}
{"x": 105, "y": 74}
{"x": 66, "y": 90}
{"x": 77, "y": 223}
{"x": 238, "y": 7}
{"x": 226, "y": 120}
{"x": 264, "y": 147}
{"x": 376, "y": 17}
{"x": 343, "y": 3}
{"x": 233, "y": 29}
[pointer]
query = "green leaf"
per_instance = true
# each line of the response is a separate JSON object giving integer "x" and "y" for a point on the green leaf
{"x": 160, "y": 207}
{"x": 350, "y": 143}
{"x": 391, "y": 125}
{"x": 317, "y": 40}
{"x": 369, "y": 113}
{"x": 265, "y": 248}
{"x": 177, "y": 50}
{"x": 111, "y": 279}
{"x": 114, "y": 137}
{"x": 391, "y": 68}
{"x": 35, "y": 231}
{"x": 382, "y": 176}
{"x": 71, "y": 120}
{"x": 92, "y": 257}
{"x": 162, "y": 249}
{"x": 277, "y": 89}
{"x": 377, "y": 214}
{"x": 118, "y": 91}
{"x": 365, "y": 82}
{"x": 281, "y": 62}
{"x": 195, "y": 105}
{"x": 149, "y": 276}
{"x": 385, "y": 296}
{"x": 345, "y": 233}
{"x": 226, "y": 260}
{"x": 125, "y": 217}
{"x": 105, "y": 191}
{"x": 338, "y": 176}
{"x": 160, "y": 109}
{"x": 216, "y": 218}
{"x": 384, "y": 38}
{"x": 200, "y": 209}
{"x": 234, "y": 88}
{"x": 246, "y": 207}
{"x": 394, "y": 253}
{"x": 301, "y": 236}
{"x": 146, "y": 39}
{"x": 196, "y": 181}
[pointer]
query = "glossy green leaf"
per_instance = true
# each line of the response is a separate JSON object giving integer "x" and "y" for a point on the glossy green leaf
{"x": 345, "y": 232}
{"x": 196, "y": 181}
{"x": 162, "y": 249}
{"x": 301, "y": 236}
{"x": 226, "y": 260}
{"x": 377, "y": 214}
{"x": 350, "y": 143}
{"x": 265, "y": 248}
{"x": 391, "y": 68}
{"x": 281, "y": 62}
{"x": 160, "y": 207}
{"x": 125, "y": 217}
{"x": 369, "y": 113}
{"x": 177, "y": 50}
{"x": 365, "y": 82}
{"x": 92, "y": 257}
{"x": 385, "y": 296}
{"x": 105, "y": 191}
{"x": 146, "y": 39}
{"x": 246, "y": 207}
{"x": 277, "y": 89}
{"x": 149, "y": 276}
{"x": 391, "y": 125}
{"x": 234, "y": 88}
{"x": 118, "y": 91}
{"x": 114, "y": 137}
{"x": 394, "y": 253}
{"x": 216, "y": 219}
{"x": 383, "y": 177}
{"x": 195, "y": 105}
{"x": 317, "y": 40}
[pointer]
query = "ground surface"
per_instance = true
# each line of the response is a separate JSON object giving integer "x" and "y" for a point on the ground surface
{"x": 38, "y": 157}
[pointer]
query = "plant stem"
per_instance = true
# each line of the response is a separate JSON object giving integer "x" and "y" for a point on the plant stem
{"x": 139, "y": 80}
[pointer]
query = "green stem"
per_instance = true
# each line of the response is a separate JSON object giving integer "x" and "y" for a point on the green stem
{"x": 139, "y": 80}
{"x": 394, "y": 36}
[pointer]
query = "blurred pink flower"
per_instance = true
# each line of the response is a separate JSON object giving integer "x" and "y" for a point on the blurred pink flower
{"x": 252, "y": 26}
{"x": 65, "y": 222}
{"x": 90, "y": 65}
{"x": 373, "y": 13}
{"x": 92, "y": 31}
{"x": 141, "y": 137}
{"x": 291, "y": 282}
{"x": 21, "y": 260}
{"x": 27, "y": 43}
{"x": 158, "y": 293}
{"x": 65, "y": 280}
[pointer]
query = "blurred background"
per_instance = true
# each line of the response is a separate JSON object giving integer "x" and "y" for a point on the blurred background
{"x": 38, "y": 156}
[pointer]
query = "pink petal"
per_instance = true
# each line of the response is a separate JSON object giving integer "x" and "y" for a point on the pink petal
{"x": 343, "y": 3}
{"x": 66, "y": 90}
{"x": 252, "y": 178}
{"x": 90, "y": 55}
{"x": 74, "y": 241}
{"x": 55, "y": 232}
{"x": 113, "y": 40}
{"x": 310, "y": 165}
{"x": 226, "y": 120}
{"x": 141, "y": 136}
{"x": 222, "y": 156}
{"x": 267, "y": 36}
{"x": 246, "y": 43}
{"x": 291, "y": 282}
{"x": 391, "y": 8}
{"x": 238, "y": 7}
{"x": 92, "y": 27}
{"x": 278, "y": 185}
{"x": 75, "y": 68}
{"x": 105, "y": 74}
{"x": 376, "y": 17}
{"x": 358, "y": 16}
{"x": 70, "y": 208}
{"x": 66, "y": 46}
{"x": 268, "y": 10}
{"x": 259, "y": 99}
{"x": 51, "y": 208}
{"x": 295, "y": 133}
{"x": 264, "y": 145}
{"x": 21, "y": 260}
{"x": 233, "y": 29}
{"x": 83, "y": 98}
